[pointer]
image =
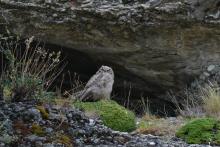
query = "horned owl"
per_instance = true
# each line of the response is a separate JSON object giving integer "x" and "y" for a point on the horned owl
{"x": 99, "y": 86}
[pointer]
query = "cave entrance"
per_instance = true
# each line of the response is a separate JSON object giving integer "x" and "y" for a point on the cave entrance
{"x": 124, "y": 91}
{"x": 80, "y": 66}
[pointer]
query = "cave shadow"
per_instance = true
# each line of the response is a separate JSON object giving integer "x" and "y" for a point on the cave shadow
{"x": 80, "y": 66}
{"x": 124, "y": 92}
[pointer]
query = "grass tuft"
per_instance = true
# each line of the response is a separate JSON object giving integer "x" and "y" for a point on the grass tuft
{"x": 211, "y": 100}
{"x": 27, "y": 72}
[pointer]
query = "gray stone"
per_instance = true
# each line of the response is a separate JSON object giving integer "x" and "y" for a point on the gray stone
{"x": 34, "y": 138}
{"x": 32, "y": 114}
{"x": 210, "y": 68}
{"x": 49, "y": 130}
{"x": 91, "y": 122}
{"x": 48, "y": 145}
{"x": 206, "y": 74}
{"x": 151, "y": 143}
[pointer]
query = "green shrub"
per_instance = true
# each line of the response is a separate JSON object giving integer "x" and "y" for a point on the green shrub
{"x": 112, "y": 114}
{"x": 201, "y": 131}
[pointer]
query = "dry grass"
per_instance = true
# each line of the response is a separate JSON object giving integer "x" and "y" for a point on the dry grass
{"x": 211, "y": 100}
{"x": 155, "y": 125}
{"x": 204, "y": 101}
{"x": 166, "y": 127}
{"x": 30, "y": 71}
{"x": 76, "y": 87}
{"x": 188, "y": 105}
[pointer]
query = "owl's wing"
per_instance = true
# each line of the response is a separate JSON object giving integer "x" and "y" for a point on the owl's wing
{"x": 94, "y": 80}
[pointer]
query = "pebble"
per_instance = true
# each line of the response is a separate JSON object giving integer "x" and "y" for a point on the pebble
{"x": 210, "y": 68}
{"x": 55, "y": 15}
{"x": 152, "y": 143}
{"x": 34, "y": 138}
{"x": 32, "y": 115}
{"x": 48, "y": 130}
{"x": 206, "y": 74}
{"x": 91, "y": 122}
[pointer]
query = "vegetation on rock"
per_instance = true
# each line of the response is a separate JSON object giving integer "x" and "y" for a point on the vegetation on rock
{"x": 38, "y": 130}
{"x": 201, "y": 131}
{"x": 43, "y": 112}
{"x": 112, "y": 114}
{"x": 27, "y": 73}
{"x": 64, "y": 139}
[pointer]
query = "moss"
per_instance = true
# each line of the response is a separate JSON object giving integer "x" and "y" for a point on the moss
{"x": 201, "y": 131}
{"x": 112, "y": 114}
{"x": 43, "y": 112}
{"x": 64, "y": 139}
{"x": 38, "y": 130}
{"x": 7, "y": 92}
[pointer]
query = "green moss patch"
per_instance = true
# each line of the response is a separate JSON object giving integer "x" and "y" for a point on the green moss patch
{"x": 201, "y": 131}
{"x": 38, "y": 130}
{"x": 43, "y": 112}
{"x": 112, "y": 114}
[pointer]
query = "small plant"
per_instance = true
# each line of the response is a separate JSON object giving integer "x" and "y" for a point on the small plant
{"x": 112, "y": 114}
{"x": 61, "y": 138}
{"x": 64, "y": 139}
{"x": 201, "y": 131}
{"x": 189, "y": 104}
{"x": 37, "y": 129}
{"x": 200, "y": 102}
{"x": 211, "y": 99}
{"x": 29, "y": 71}
{"x": 44, "y": 113}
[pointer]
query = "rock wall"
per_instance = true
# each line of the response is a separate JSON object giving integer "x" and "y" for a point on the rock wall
{"x": 157, "y": 45}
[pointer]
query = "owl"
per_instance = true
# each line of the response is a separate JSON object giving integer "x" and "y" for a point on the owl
{"x": 99, "y": 86}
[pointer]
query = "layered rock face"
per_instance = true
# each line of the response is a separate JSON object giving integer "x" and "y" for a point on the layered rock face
{"x": 157, "y": 45}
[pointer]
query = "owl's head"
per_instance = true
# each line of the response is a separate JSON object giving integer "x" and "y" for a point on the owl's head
{"x": 106, "y": 69}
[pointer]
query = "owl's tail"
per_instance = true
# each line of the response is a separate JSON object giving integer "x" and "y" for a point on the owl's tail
{"x": 77, "y": 95}
{"x": 83, "y": 95}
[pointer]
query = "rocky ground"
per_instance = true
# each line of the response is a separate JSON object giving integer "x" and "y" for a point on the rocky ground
{"x": 27, "y": 124}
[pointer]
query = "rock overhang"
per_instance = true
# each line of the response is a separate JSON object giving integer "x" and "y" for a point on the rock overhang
{"x": 156, "y": 47}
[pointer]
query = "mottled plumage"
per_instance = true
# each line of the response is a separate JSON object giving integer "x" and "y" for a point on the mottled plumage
{"x": 99, "y": 86}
